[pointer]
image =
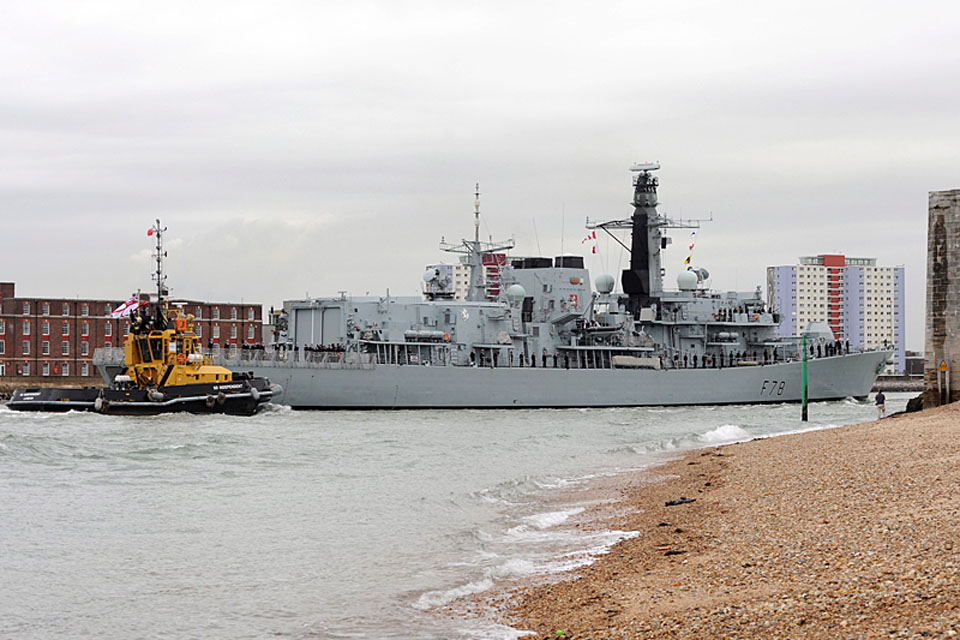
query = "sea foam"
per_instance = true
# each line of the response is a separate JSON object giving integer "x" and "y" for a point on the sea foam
{"x": 725, "y": 433}
{"x": 552, "y": 518}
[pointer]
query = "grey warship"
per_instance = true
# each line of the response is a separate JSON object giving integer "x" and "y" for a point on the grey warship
{"x": 548, "y": 339}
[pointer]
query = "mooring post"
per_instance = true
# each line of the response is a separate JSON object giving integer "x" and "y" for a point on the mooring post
{"x": 803, "y": 385}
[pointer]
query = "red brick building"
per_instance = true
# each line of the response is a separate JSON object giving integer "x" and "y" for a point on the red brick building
{"x": 58, "y": 336}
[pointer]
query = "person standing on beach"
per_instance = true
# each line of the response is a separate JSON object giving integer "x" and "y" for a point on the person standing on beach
{"x": 881, "y": 406}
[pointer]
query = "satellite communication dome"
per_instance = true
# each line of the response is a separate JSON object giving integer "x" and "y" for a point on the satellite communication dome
{"x": 516, "y": 293}
{"x": 605, "y": 283}
{"x": 430, "y": 275}
{"x": 687, "y": 280}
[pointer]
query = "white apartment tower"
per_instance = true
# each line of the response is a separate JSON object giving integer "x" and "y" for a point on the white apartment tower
{"x": 860, "y": 302}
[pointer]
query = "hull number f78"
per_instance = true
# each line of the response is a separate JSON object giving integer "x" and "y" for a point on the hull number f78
{"x": 772, "y": 387}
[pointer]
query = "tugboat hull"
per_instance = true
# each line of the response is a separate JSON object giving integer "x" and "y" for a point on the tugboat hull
{"x": 234, "y": 398}
{"x": 54, "y": 400}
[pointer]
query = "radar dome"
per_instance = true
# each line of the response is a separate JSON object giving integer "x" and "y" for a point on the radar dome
{"x": 516, "y": 293}
{"x": 687, "y": 280}
{"x": 430, "y": 275}
{"x": 605, "y": 283}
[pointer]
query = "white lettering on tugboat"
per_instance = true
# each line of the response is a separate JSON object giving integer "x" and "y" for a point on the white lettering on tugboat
{"x": 221, "y": 387}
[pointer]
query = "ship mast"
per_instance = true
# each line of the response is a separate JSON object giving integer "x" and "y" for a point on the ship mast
{"x": 158, "y": 276}
{"x": 473, "y": 251}
{"x": 643, "y": 280}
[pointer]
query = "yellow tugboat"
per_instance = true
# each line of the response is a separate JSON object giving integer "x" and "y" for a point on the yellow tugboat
{"x": 164, "y": 370}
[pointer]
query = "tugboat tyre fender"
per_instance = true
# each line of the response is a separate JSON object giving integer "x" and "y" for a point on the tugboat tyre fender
{"x": 221, "y": 398}
{"x": 98, "y": 403}
{"x": 210, "y": 401}
{"x": 255, "y": 394}
{"x": 155, "y": 396}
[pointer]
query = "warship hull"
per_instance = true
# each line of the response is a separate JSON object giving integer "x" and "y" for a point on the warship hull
{"x": 387, "y": 386}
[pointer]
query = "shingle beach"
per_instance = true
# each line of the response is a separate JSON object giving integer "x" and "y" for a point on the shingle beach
{"x": 841, "y": 533}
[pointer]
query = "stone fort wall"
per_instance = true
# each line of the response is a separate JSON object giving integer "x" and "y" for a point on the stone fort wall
{"x": 943, "y": 296}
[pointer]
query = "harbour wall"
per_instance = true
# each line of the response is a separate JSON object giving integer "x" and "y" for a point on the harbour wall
{"x": 943, "y": 299}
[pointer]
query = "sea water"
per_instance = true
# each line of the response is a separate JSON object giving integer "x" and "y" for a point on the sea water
{"x": 318, "y": 524}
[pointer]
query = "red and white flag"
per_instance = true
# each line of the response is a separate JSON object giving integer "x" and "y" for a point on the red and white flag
{"x": 127, "y": 307}
{"x": 693, "y": 241}
{"x": 592, "y": 239}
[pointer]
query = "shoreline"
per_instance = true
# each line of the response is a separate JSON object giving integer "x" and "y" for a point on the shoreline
{"x": 851, "y": 530}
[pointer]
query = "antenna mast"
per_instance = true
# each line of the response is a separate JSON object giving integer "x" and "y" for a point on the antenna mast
{"x": 159, "y": 254}
{"x": 473, "y": 250}
{"x": 476, "y": 214}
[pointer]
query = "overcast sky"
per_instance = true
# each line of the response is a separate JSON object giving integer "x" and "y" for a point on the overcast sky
{"x": 298, "y": 148}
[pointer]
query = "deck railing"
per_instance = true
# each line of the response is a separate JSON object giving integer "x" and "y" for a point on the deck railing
{"x": 239, "y": 358}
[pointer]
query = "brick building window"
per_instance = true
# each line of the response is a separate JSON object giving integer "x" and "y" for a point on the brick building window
{"x": 26, "y": 308}
{"x": 84, "y": 348}
{"x": 65, "y": 348}
{"x": 66, "y": 309}
{"x": 199, "y": 313}
{"x": 250, "y": 314}
{"x": 45, "y": 309}
{"x": 26, "y": 368}
{"x": 45, "y": 348}
{"x": 84, "y": 310}
{"x": 84, "y": 369}
{"x": 250, "y": 333}
{"x": 66, "y": 329}
{"x": 3, "y": 327}
{"x": 233, "y": 331}
{"x": 44, "y": 328}
{"x": 233, "y": 313}
{"x": 108, "y": 329}
{"x": 108, "y": 344}
{"x": 25, "y": 350}
{"x": 216, "y": 331}
{"x": 3, "y": 347}
{"x": 26, "y": 327}
{"x": 216, "y": 313}
{"x": 199, "y": 330}
{"x": 46, "y": 369}
{"x": 85, "y": 329}
{"x": 65, "y": 369}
